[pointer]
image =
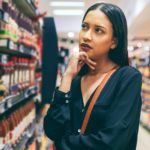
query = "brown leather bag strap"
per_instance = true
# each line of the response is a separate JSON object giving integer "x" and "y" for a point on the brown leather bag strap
{"x": 94, "y": 99}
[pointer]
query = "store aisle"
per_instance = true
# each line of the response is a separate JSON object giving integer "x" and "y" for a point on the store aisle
{"x": 143, "y": 140}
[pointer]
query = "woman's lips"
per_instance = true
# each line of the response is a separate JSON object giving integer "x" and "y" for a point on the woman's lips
{"x": 85, "y": 47}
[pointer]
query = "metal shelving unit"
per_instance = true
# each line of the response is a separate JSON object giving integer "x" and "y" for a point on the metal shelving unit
{"x": 14, "y": 47}
{"x": 27, "y": 7}
{"x": 28, "y": 133}
{"x": 11, "y": 101}
{"x": 6, "y": 49}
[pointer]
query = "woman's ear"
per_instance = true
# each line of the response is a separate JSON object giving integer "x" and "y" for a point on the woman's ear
{"x": 114, "y": 43}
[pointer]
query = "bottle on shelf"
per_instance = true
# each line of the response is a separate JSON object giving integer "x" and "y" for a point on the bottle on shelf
{"x": 2, "y": 86}
{"x": 13, "y": 126}
{"x": 32, "y": 71}
{"x": 20, "y": 74}
{"x": 5, "y": 78}
{"x": 18, "y": 40}
{"x": 2, "y": 91}
{"x": 3, "y": 132}
{"x": 11, "y": 64}
{"x": 14, "y": 87}
{"x": 26, "y": 73}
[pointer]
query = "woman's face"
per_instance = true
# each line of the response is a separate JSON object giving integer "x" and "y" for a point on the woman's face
{"x": 96, "y": 35}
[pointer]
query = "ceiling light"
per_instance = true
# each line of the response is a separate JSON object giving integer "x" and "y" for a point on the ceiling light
{"x": 130, "y": 48}
{"x": 70, "y": 34}
{"x": 75, "y": 49}
{"x": 139, "y": 44}
{"x": 68, "y": 12}
{"x": 67, "y": 4}
{"x": 146, "y": 48}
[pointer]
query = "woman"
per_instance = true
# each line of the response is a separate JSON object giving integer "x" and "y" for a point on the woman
{"x": 114, "y": 121}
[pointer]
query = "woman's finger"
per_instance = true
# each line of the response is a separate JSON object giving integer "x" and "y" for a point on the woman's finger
{"x": 83, "y": 57}
{"x": 91, "y": 62}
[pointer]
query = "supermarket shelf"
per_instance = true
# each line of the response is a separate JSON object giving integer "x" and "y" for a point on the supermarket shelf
{"x": 27, "y": 135}
{"x": 4, "y": 17}
{"x": 7, "y": 48}
{"x": 27, "y": 7}
{"x": 15, "y": 53}
{"x": 146, "y": 109}
{"x": 11, "y": 101}
{"x": 142, "y": 65}
{"x": 24, "y": 139}
{"x": 146, "y": 80}
{"x": 145, "y": 126}
{"x": 145, "y": 104}
{"x": 7, "y": 147}
{"x": 145, "y": 99}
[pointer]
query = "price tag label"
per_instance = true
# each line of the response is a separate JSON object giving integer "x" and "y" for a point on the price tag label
{"x": 3, "y": 42}
{"x": 29, "y": 1}
{"x": 21, "y": 48}
{"x": 32, "y": 91}
{"x": 2, "y": 107}
{"x": 9, "y": 103}
{"x": 6, "y": 17}
{"x": 11, "y": 45}
{"x": 26, "y": 94}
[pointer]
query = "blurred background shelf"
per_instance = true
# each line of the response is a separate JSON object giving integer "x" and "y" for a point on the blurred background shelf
{"x": 11, "y": 101}
{"x": 27, "y": 7}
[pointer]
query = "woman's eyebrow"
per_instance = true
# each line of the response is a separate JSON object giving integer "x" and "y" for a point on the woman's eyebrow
{"x": 84, "y": 22}
{"x": 99, "y": 26}
{"x": 95, "y": 25}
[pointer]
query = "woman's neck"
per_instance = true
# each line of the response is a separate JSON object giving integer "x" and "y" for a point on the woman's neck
{"x": 102, "y": 67}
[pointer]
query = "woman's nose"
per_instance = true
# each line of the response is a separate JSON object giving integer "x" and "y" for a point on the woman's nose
{"x": 87, "y": 35}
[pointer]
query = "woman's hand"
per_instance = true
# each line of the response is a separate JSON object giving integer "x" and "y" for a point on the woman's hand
{"x": 76, "y": 62}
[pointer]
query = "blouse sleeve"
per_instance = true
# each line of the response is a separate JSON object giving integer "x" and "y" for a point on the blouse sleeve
{"x": 58, "y": 115}
{"x": 123, "y": 121}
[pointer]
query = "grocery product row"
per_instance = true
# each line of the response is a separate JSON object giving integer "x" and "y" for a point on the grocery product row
{"x": 139, "y": 54}
{"x": 21, "y": 110}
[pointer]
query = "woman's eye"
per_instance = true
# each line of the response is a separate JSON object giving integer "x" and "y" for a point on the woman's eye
{"x": 98, "y": 30}
{"x": 84, "y": 26}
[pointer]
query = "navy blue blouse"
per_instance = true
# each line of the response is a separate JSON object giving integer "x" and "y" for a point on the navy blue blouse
{"x": 114, "y": 122}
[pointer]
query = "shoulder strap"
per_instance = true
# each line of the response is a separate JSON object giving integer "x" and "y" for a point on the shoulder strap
{"x": 94, "y": 99}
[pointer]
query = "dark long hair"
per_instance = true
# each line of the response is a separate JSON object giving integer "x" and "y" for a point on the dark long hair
{"x": 119, "y": 55}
